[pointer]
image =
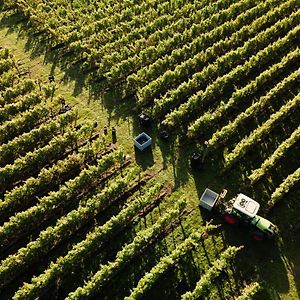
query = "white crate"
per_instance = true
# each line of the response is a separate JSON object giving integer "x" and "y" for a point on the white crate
{"x": 142, "y": 141}
{"x": 208, "y": 199}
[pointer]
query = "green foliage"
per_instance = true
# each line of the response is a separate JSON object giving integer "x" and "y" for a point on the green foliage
{"x": 26, "y": 220}
{"x": 197, "y": 65}
{"x": 222, "y": 135}
{"x": 243, "y": 95}
{"x": 11, "y": 94}
{"x": 23, "y": 122}
{"x": 272, "y": 160}
{"x": 249, "y": 291}
{"x": 39, "y": 136}
{"x": 232, "y": 66}
{"x": 124, "y": 256}
{"x": 168, "y": 261}
{"x": 288, "y": 183}
{"x": 213, "y": 272}
{"x": 243, "y": 146}
{"x": 66, "y": 264}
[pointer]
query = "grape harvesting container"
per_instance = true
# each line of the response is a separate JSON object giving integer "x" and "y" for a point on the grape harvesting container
{"x": 208, "y": 199}
{"x": 142, "y": 141}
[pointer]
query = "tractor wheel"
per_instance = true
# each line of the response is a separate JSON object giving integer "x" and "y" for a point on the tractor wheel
{"x": 258, "y": 236}
{"x": 230, "y": 219}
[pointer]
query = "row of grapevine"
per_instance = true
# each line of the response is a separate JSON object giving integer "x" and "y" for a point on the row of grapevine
{"x": 128, "y": 16}
{"x": 98, "y": 47}
{"x": 288, "y": 183}
{"x": 92, "y": 242}
{"x": 243, "y": 95}
{"x": 132, "y": 26}
{"x": 221, "y": 136}
{"x": 217, "y": 50}
{"x": 65, "y": 226}
{"x": 37, "y": 137}
{"x": 276, "y": 118}
{"x": 11, "y": 94}
{"x": 25, "y": 195}
{"x": 8, "y": 111}
{"x": 271, "y": 161}
{"x": 142, "y": 240}
{"x": 113, "y": 27}
{"x": 145, "y": 75}
{"x": 35, "y": 160}
{"x": 101, "y": 49}
{"x": 236, "y": 62}
{"x": 110, "y": 55}
{"x": 92, "y": 34}
{"x": 139, "y": 34}
{"x": 23, "y": 222}
{"x": 25, "y": 122}
{"x": 213, "y": 272}
{"x": 168, "y": 261}
{"x": 167, "y": 41}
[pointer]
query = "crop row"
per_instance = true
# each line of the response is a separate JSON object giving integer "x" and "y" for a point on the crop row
{"x": 145, "y": 75}
{"x": 93, "y": 240}
{"x": 243, "y": 95}
{"x": 63, "y": 229}
{"x": 271, "y": 161}
{"x": 221, "y": 136}
{"x": 36, "y": 159}
{"x": 26, "y": 194}
{"x": 142, "y": 240}
{"x": 276, "y": 118}
{"x": 214, "y": 271}
{"x": 163, "y": 41}
{"x": 288, "y": 183}
{"x": 23, "y": 222}
{"x": 168, "y": 261}
{"x": 10, "y": 94}
{"x": 37, "y": 137}
{"x": 230, "y": 67}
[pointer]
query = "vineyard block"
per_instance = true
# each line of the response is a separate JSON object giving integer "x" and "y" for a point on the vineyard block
{"x": 142, "y": 141}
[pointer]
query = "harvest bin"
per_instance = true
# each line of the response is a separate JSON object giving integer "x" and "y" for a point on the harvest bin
{"x": 142, "y": 141}
{"x": 208, "y": 199}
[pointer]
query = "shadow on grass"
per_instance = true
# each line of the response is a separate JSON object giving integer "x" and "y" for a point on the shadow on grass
{"x": 144, "y": 158}
{"x": 38, "y": 43}
{"x": 262, "y": 261}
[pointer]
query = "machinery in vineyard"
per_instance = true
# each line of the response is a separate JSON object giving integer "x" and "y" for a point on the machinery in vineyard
{"x": 241, "y": 209}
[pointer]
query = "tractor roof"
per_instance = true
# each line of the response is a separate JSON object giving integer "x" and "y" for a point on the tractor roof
{"x": 246, "y": 205}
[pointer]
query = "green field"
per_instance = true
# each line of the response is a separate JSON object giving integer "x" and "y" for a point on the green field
{"x": 86, "y": 215}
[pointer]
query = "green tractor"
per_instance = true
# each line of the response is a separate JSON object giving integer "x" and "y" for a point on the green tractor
{"x": 240, "y": 209}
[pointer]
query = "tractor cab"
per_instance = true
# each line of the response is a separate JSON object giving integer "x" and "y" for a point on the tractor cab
{"x": 245, "y": 207}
